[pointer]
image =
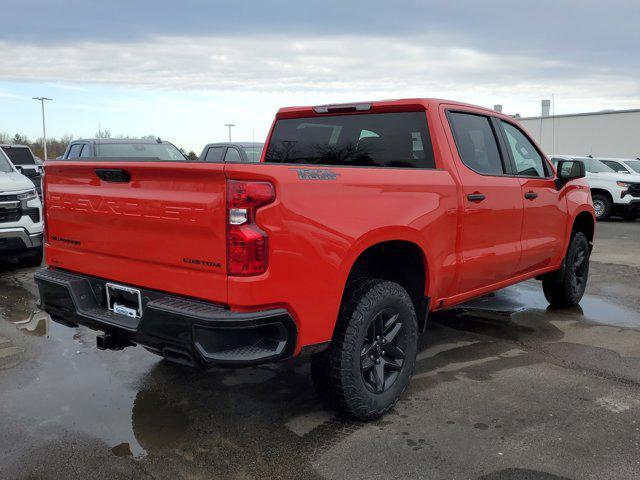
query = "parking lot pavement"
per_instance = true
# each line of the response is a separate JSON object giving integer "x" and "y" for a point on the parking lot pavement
{"x": 620, "y": 238}
{"x": 504, "y": 389}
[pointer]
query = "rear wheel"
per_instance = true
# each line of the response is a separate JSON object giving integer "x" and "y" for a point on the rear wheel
{"x": 602, "y": 206}
{"x": 33, "y": 260}
{"x": 567, "y": 290}
{"x": 372, "y": 356}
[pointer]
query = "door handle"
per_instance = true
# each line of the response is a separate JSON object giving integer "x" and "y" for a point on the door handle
{"x": 114, "y": 175}
{"x": 475, "y": 197}
{"x": 530, "y": 195}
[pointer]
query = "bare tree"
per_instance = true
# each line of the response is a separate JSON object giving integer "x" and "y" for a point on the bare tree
{"x": 103, "y": 134}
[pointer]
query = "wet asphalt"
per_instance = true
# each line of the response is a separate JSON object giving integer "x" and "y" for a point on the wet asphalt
{"x": 505, "y": 389}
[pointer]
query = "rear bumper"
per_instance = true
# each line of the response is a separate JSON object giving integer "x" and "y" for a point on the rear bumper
{"x": 181, "y": 329}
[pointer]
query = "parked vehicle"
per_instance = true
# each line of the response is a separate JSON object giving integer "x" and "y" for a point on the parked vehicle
{"x": 20, "y": 216}
{"x": 361, "y": 220}
{"x": 623, "y": 165}
{"x": 25, "y": 162}
{"x": 613, "y": 192}
{"x": 242, "y": 152}
{"x": 123, "y": 148}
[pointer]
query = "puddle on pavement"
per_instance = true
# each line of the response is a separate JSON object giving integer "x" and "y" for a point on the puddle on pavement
{"x": 528, "y": 298}
{"x": 521, "y": 314}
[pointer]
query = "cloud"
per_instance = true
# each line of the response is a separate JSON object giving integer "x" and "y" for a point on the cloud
{"x": 136, "y": 63}
{"x": 586, "y": 30}
{"x": 423, "y": 65}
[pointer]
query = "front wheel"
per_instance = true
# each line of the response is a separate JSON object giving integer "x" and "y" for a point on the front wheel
{"x": 602, "y": 206}
{"x": 372, "y": 355}
{"x": 567, "y": 290}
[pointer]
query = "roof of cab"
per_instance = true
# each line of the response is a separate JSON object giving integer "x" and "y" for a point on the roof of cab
{"x": 118, "y": 140}
{"x": 235, "y": 144}
{"x": 375, "y": 106}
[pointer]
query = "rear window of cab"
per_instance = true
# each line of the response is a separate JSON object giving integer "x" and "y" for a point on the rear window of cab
{"x": 392, "y": 140}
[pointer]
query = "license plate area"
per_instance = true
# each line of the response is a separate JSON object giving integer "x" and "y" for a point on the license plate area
{"x": 124, "y": 300}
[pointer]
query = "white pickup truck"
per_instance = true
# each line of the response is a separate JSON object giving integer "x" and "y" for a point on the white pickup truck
{"x": 21, "y": 223}
{"x": 613, "y": 192}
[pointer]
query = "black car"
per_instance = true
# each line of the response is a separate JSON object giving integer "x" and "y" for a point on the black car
{"x": 226, "y": 152}
{"x": 25, "y": 162}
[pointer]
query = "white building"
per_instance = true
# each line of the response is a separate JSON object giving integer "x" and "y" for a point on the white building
{"x": 610, "y": 133}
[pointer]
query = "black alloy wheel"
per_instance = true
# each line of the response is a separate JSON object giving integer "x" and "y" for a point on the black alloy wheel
{"x": 382, "y": 352}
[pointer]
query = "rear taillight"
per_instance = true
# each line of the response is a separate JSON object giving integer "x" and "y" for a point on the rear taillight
{"x": 247, "y": 244}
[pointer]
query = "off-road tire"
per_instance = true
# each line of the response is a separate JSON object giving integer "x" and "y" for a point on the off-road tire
{"x": 337, "y": 372}
{"x": 604, "y": 205}
{"x": 565, "y": 290}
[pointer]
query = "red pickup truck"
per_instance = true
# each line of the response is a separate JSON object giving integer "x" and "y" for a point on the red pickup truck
{"x": 358, "y": 221}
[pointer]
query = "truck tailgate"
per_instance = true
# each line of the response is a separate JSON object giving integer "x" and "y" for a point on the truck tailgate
{"x": 159, "y": 225}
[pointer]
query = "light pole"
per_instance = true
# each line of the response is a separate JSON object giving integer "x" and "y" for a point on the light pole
{"x": 44, "y": 130}
{"x": 229, "y": 125}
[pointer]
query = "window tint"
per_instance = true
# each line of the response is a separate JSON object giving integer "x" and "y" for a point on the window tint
{"x": 214, "y": 154}
{"x": 367, "y": 140}
{"x": 74, "y": 151}
{"x": 232, "y": 156}
{"x": 528, "y": 160}
{"x": 618, "y": 167}
{"x": 86, "y": 151}
{"x": 161, "y": 151}
{"x": 19, "y": 155}
{"x": 476, "y": 143}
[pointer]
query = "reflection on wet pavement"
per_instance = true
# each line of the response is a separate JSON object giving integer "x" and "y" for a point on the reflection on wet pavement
{"x": 527, "y": 297}
{"x": 236, "y": 422}
{"x": 37, "y": 324}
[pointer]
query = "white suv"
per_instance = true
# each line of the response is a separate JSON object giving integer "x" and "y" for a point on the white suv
{"x": 21, "y": 224}
{"x": 613, "y": 193}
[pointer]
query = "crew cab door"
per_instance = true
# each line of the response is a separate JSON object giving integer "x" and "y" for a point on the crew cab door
{"x": 545, "y": 211}
{"x": 492, "y": 203}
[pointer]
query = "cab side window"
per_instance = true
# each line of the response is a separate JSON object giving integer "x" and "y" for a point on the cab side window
{"x": 215, "y": 154}
{"x": 74, "y": 151}
{"x": 476, "y": 142}
{"x": 86, "y": 151}
{"x": 528, "y": 161}
{"x": 232, "y": 156}
{"x": 617, "y": 166}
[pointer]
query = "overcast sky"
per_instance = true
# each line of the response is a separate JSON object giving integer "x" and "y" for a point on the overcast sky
{"x": 182, "y": 70}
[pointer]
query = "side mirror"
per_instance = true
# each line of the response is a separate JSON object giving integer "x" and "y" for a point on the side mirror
{"x": 570, "y": 170}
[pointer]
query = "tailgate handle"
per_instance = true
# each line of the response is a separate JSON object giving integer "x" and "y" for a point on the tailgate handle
{"x": 114, "y": 175}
